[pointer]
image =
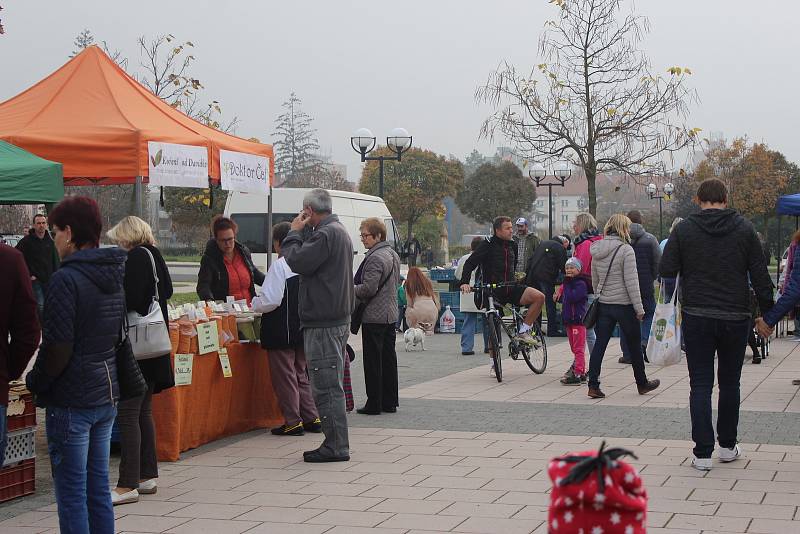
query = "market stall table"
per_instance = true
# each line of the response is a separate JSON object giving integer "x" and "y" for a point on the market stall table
{"x": 213, "y": 406}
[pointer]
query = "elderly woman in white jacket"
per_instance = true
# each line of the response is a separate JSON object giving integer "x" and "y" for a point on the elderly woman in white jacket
{"x": 616, "y": 284}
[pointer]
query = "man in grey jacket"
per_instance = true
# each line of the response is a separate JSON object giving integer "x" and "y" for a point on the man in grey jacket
{"x": 323, "y": 257}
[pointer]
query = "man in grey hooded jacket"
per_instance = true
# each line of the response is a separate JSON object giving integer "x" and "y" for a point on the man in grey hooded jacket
{"x": 648, "y": 256}
{"x": 323, "y": 258}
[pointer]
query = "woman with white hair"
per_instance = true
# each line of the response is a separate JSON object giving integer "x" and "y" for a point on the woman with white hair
{"x": 616, "y": 284}
{"x": 138, "y": 466}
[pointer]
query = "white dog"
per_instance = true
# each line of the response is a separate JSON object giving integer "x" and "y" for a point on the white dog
{"x": 414, "y": 337}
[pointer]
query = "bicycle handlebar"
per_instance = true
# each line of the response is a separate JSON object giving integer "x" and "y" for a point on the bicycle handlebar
{"x": 494, "y": 285}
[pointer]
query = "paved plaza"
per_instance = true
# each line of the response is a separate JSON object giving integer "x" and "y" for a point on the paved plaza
{"x": 466, "y": 454}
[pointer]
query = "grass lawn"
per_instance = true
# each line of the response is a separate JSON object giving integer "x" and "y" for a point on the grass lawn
{"x": 170, "y": 257}
{"x": 179, "y": 299}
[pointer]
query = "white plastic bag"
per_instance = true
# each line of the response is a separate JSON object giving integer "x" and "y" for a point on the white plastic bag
{"x": 664, "y": 343}
{"x": 447, "y": 322}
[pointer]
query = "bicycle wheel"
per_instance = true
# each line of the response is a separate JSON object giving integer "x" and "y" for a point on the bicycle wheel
{"x": 536, "y": 358}
{"x": 494, "y": 345}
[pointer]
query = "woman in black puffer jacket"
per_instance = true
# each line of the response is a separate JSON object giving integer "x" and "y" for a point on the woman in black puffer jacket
{"x": 75, "y": 374}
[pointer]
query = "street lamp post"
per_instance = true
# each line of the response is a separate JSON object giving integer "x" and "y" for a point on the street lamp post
{"x": 363, "y": 142}
{"x": 660, "y": 194}
{"x": 539, "y": 176}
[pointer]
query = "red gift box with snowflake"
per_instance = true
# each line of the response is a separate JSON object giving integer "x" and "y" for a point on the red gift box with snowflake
{"x": 594, "y": 492}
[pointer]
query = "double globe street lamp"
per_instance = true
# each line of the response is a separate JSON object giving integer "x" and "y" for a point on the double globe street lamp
{"x": 398, "y": 142}
{"x": 557, "y": 177}
{"x": 660, "y": 193}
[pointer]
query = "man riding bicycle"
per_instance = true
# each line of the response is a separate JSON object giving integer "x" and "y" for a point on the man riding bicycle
{"x": 497, "y": 259}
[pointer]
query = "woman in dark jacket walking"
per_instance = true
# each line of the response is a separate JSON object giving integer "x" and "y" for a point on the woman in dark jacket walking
{"x": 376, "y": 284}
{"x": 75, "y": 374}
{"x": 278, "y": 300}
{"x": 138, "y": 466}
{"x": 226, "y": 267}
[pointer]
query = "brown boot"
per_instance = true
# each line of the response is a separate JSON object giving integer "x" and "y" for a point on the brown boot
{"x": 649, "y": 386}
{"x": 595, "y": 393}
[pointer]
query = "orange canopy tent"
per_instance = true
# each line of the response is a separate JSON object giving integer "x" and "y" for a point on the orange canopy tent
{"x": 96, "y": 120}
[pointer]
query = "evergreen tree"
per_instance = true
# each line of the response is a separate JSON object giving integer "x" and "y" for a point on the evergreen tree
{"x": 83, "y": 40}
{"x": 296, "y": 141}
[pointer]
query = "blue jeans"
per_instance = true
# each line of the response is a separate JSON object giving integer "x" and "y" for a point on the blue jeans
{"x": 3, "y": 433}
{"x": 468, "y": 332}
{"x": 78, "y": 440}
{"x": 609, "y": 315}
{"x": 669, "y": 288}
{"x": 38, "y": 292}
{"x": 649, "y": 304}
{"x": 706, "y": 338}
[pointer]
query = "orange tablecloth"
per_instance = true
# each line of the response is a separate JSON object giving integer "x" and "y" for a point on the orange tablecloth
{"x": 213, "y": 406}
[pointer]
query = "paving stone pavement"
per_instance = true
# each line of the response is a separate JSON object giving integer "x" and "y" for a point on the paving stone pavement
{"x": 466, "y": 454}
{"x": 403, "y": 481}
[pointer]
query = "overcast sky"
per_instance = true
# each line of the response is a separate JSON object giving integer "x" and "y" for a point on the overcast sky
{"x": 416, "y": 63}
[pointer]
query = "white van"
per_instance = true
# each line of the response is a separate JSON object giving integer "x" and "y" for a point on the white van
{"x": 250, "y": 213}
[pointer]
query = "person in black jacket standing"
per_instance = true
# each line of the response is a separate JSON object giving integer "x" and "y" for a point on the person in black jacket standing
{"x": 138, "y": 466}
{"x": 41, "y": 258}
{"x": 715, "y": 252}
{"x": 542, "y": 272}
{"x": 282, "y": 337}
{"x": 497, "y": 259}
{"x": 227, "y": 267}
{"x": 648, "y": 255}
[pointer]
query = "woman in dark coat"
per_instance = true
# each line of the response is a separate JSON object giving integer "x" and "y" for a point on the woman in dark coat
{"x": 75, "y": 374}
{"x": 226, "y": 267}
{"x": 138, "y": 467}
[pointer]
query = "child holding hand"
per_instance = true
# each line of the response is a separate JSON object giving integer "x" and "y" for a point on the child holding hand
{"x": 574, "y": 292}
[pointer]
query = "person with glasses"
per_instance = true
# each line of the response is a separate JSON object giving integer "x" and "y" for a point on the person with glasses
{"x": 376, "y": 284}
{"x": 227, "y": 267}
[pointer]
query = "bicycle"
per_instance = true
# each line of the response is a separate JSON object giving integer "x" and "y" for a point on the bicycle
{"x": 535, "y": 357}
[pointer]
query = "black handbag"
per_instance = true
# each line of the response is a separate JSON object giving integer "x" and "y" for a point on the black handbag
{"x": 590, "y": 317}
{"x": 129, "y": 375}
{"x": 358, "y": 314}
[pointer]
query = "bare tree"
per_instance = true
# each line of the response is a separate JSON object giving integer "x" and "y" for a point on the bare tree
{"x": 167, "y": 74}
{"x": 593, "y": 100}
{"x": 321, "y": 175}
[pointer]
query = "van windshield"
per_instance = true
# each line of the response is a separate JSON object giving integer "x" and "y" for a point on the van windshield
{"x": 253, "y": 229}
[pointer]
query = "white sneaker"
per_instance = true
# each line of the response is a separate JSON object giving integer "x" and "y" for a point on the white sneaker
{"x": 492, "y": 373}
{"x": 701, "y": 464}
{"x": 124, "y": 498}
{"x": 729, "y": 455}
{"x": 148, "y": 487}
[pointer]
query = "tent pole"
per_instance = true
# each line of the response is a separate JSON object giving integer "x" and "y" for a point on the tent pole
{"x": 137, "y": 194}
{"x": 269, "y": 227}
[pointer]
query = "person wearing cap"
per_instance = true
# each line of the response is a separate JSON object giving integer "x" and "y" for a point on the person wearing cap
{"x": 526, "y": 243}
{"x": 542, "y": 272}
{"x": 573, "y": 294}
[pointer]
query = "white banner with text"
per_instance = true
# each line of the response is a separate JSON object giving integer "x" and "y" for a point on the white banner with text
{"x": 244, "y": 172}
{"x": 178, "y": 165}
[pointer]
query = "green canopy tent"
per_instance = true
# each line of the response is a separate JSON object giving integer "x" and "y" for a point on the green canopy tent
{"x": 28, "y": 179}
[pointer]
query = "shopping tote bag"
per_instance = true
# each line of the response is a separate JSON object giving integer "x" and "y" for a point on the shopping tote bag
{"x": 664, "y": 343}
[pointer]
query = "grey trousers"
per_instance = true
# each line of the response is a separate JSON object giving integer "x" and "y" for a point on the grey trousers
{"x": 325, "y": 353}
